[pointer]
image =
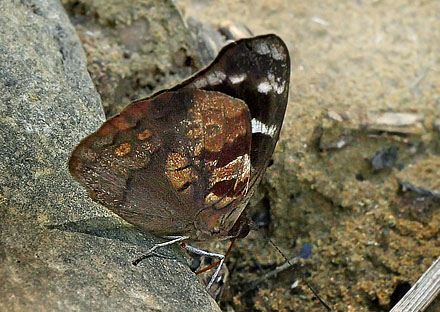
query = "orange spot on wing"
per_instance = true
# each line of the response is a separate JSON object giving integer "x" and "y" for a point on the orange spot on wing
{"x": 123, "y": 149}
{"x": 144, "y": 135}
{"x": 120, "y": 122}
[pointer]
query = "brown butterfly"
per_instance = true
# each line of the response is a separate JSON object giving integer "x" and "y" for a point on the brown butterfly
{"x": 184, "y": 162}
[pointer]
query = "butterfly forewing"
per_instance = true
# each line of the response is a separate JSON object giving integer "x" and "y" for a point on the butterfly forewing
{"x": 257, "y": 71}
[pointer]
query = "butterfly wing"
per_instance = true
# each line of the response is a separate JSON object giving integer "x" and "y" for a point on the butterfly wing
{"x": 155, "y": 163}
{"x": 257, "y": 71}
{"x": 186, "y": 160}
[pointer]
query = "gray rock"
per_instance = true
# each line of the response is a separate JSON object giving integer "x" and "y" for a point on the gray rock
{"x": 59, "y": 250}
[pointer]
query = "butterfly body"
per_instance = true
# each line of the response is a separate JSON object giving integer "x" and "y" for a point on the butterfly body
{"x": 186, "y": 160}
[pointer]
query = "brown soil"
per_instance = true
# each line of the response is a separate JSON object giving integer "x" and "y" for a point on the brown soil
{"x": 371, "y": 241}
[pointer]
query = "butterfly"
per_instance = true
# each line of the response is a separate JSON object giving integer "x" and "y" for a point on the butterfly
{"x": 184, "y": 162}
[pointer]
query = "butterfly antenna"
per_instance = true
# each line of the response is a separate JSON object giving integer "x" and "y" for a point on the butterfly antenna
{"x": 218, "y": 262}
{"x": 315, "y": 293}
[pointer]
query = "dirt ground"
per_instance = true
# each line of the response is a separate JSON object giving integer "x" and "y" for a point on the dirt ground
{"x": 371, "y": 241}
{"x": 365, "y": 85}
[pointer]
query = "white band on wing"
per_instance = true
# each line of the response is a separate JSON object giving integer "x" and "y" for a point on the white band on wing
{"x": 259, "y": 127}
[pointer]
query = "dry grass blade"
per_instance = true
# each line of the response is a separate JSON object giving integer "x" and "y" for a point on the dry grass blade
{"x": 423, "y": 292}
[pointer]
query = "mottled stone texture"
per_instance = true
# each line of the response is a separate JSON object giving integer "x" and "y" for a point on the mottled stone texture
{"x": 133, "y": 48}
{"x": 58, "y": 250}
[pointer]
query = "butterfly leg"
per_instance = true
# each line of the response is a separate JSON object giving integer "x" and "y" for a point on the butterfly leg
{"x": 208, "y": 254}
{"x": 174, "y": 239}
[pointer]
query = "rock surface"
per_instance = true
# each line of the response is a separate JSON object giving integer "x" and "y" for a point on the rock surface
{"x": 58, "y": 250}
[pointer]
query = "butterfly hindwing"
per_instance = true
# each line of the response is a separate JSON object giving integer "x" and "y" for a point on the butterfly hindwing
{"x": 168, "y": 164}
